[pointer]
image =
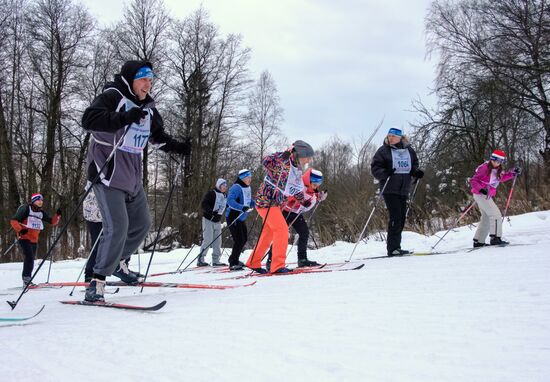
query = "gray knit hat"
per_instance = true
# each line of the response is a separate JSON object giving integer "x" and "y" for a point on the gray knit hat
{"x": 303, "y": 149}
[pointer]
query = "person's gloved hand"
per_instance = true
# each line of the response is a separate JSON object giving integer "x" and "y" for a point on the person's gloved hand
{"x": 245, "y": 209}
{"x": 517, "y": 171}
{"x": 322, "y": 195}
{"x": 58, "y": 211}
{"x": 390, "y": 171}
{"x": 24, "y": 231}
{"x": 306, "y": 203}
{"x": 286, "y": 155}
{"x": 419, "y": 174}
{"x": 483, "y": 191}
{"x": 134, "y": 115}
{"x": 182, "y": 148}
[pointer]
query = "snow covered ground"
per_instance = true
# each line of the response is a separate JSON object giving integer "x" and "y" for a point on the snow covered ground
{"x": 478, "y": 316}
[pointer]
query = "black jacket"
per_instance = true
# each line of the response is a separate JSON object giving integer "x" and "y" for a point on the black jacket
{"x": 105, "y": 119}
{"x": 382, "y": 163}
{"x": 208, "y": 203}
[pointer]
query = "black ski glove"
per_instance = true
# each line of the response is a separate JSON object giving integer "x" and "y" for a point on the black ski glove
{"x": 306, "y": 203}
{"x": 419, "y": 174}
{"x": 517, "y": 171}
{"x": 182, "y": 148}
{"x": 134, "y": 115}
{"x": 245, "y": 208}
{"x": 483, "y": 191}
{"x": 24, "y": 231}
{"x": 58, "y": 211}
{"x": 390, "y": 171}
{"x": 286, "y": 155}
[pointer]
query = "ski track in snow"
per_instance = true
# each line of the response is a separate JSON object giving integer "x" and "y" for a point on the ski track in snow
{"x": 478, "y": 316}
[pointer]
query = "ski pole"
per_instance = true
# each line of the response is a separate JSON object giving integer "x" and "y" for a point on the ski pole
{"x": 86, "y": 262}
{"x": 469, "y": 207}
{"x": 178, "y": 173}
{"x": 13, "y": 304}
{"x": 509, "y": 199}
{"x": 412, "y": 198}
{"x": 9, "y": 248}
{"x": 51, "y": 259}
{"x": 368, "y": 220}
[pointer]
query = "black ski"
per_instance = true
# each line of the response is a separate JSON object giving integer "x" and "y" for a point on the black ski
{"x": 115, "y": 305}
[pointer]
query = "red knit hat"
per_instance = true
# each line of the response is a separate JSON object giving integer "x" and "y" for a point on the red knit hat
{"x": 498, "y": 155}
{"x": 36, "y": 197}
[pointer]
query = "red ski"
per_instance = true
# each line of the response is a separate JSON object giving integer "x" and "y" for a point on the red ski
{"x": 147, "y": 284}
{"x": 115, "y": 305}
{"x": 296, "y": 271}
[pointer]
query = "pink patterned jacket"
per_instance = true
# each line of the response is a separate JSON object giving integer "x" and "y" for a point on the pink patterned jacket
{"x": 486, "y": 178}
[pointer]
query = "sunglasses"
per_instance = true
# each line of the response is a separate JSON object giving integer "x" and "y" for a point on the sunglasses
{"x": 498, "y": 160}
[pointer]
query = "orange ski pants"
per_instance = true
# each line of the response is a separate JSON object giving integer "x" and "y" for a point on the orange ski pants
{"x": 275, "y": 231}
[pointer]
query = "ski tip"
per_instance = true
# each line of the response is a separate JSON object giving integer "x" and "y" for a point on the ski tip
{"x": 359, "y": 267}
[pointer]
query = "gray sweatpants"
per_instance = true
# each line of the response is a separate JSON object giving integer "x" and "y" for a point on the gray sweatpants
{"x": 126, "y": 221}
{"x": 491, "y": 218}
{"x": 211, "y": 230}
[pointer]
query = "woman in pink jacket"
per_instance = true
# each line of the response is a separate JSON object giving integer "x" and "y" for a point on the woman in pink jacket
{"x": 484, "y": 184}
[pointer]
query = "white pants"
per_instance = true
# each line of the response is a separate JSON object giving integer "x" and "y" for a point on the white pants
{"x": 491, "y": 218}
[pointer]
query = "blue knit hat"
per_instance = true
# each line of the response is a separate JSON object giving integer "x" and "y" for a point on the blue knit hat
{"x": 316, "y": 177}
{"x": 395, "y": 131}
{"x": 244, "y": 173}
{"x": 144, "y": 72}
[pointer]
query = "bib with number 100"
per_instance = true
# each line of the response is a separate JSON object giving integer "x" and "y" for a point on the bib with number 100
{"x": 401, "y": 161}
{"x": 137, "y": 135}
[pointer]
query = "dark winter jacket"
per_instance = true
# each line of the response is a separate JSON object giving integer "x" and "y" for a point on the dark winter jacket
{"x": 387, "y": 158}
{"x": 236, "y": 199}
{"x": 28, "y": 215}
{"x": 105, "y": 118}
{"x": 213, "y": 204}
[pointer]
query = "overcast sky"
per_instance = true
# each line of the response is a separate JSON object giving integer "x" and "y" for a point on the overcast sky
{"x": 340, "y": 66}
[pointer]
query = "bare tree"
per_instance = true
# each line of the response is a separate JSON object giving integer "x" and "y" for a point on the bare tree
{"x": 264, "y": 116}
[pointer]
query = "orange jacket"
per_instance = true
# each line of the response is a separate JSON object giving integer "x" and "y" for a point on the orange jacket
{"x": 20, "y": 219}
{"x": 292, "y": 204}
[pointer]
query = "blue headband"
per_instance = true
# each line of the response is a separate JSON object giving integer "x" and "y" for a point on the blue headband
{"x": 395, "y": 131}
{"x": 244, "y": 174}
{"x": 144, "y": 72}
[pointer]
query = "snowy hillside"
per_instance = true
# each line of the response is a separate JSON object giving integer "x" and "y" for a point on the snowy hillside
{"x": 461, "y": 316}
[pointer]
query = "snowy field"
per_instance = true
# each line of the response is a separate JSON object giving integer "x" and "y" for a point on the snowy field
{"x": 462, "y": 316}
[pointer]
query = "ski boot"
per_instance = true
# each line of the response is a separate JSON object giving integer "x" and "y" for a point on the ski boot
{"x": 236, "y": 267}
{"x": 304, "y": 262}
{"x": 137, "y": 274}
{"x": 124, "y": 274}
{"x": 283, "y": 270}
{"x": 399, "y": 252}
{"x": 95, "y": 291}
{"x": 219, "y": 264}
{"x": 259, "y": 270}
{"x": 495, "y": 240}
{"x": 201, "y": 263}
{"x": 27, "y": 281}
{"x": 477, "y": 244}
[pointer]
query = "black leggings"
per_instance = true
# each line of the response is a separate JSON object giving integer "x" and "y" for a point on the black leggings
{"x": 29, "y": 250}
{"x": 94, "y": 229}
{"x": 397, "y": 207}
{"x": 239, "y": 233}
{"x": 301, "y": 228}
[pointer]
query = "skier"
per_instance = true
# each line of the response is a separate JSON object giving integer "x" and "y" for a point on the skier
{"x": 395, "y": 163}
{"x": 283, "y": 179}
{"x": 213, "y": 205}
{"x": 294, "y": 213}
{"x": 92, "y": 217}
{"x": 484, "y": 185}
{"x": 239, "y": 202}
{"x": 27, "y": 222}
{"x": 123, "y": 112}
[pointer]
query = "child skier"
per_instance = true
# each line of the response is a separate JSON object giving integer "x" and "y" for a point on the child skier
{"x": 27, "y": 222}
{"x": 283, "y": 180}
{"x": 239, "y": 202}
{"x": 213, "y": 205}
{"x": 484, "y": 185}
{"x": 294, "y": 213}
